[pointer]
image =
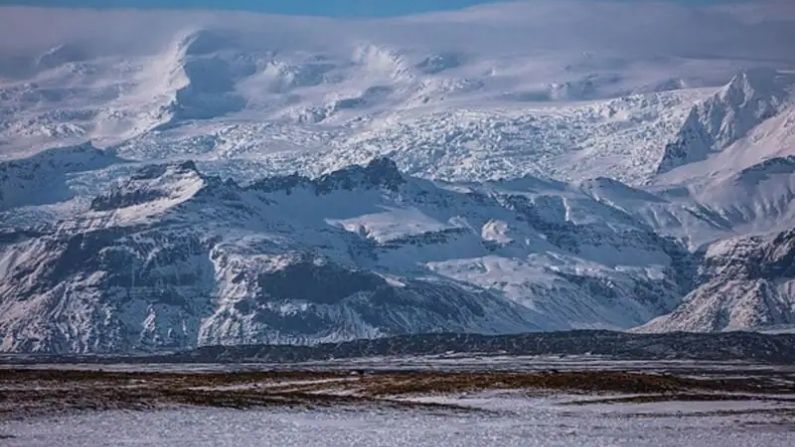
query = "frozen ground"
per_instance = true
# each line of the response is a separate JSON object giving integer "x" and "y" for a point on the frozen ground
{"x": 512, "y": 421}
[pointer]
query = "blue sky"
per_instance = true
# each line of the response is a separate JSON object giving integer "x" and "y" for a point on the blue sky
{"x": 356, "y": 8}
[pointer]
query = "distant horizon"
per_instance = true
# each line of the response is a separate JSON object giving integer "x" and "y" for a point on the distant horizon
{"x": 326, "y": 8}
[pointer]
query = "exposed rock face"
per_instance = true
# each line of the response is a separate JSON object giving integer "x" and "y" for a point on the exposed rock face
{"x": 749, "y": 285}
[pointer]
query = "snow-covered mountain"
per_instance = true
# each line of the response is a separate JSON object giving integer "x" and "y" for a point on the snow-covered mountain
{"x": 173, "y": 258}
{"x": 239, "y": 178}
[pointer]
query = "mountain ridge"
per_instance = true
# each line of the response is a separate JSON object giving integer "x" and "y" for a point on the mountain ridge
{"x": 172, "y": 256}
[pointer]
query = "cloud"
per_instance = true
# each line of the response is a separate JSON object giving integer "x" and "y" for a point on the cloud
{"x": 754, "y": 33}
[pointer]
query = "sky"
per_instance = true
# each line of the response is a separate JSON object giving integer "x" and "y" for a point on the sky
{"x": 335, "y": 8}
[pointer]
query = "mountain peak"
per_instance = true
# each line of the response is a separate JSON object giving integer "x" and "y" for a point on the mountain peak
{"x": 753, "y": 83}
{"x": 751, "y": 97}
{"x": 380, "y": 172}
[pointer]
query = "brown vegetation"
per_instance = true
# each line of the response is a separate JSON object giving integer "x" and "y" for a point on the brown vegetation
{"x": 26, "y": 392}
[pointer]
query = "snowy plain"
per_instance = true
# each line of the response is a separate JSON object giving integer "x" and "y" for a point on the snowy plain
{"x": 506, "y": 419}
{"x": 490, "y": 417}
